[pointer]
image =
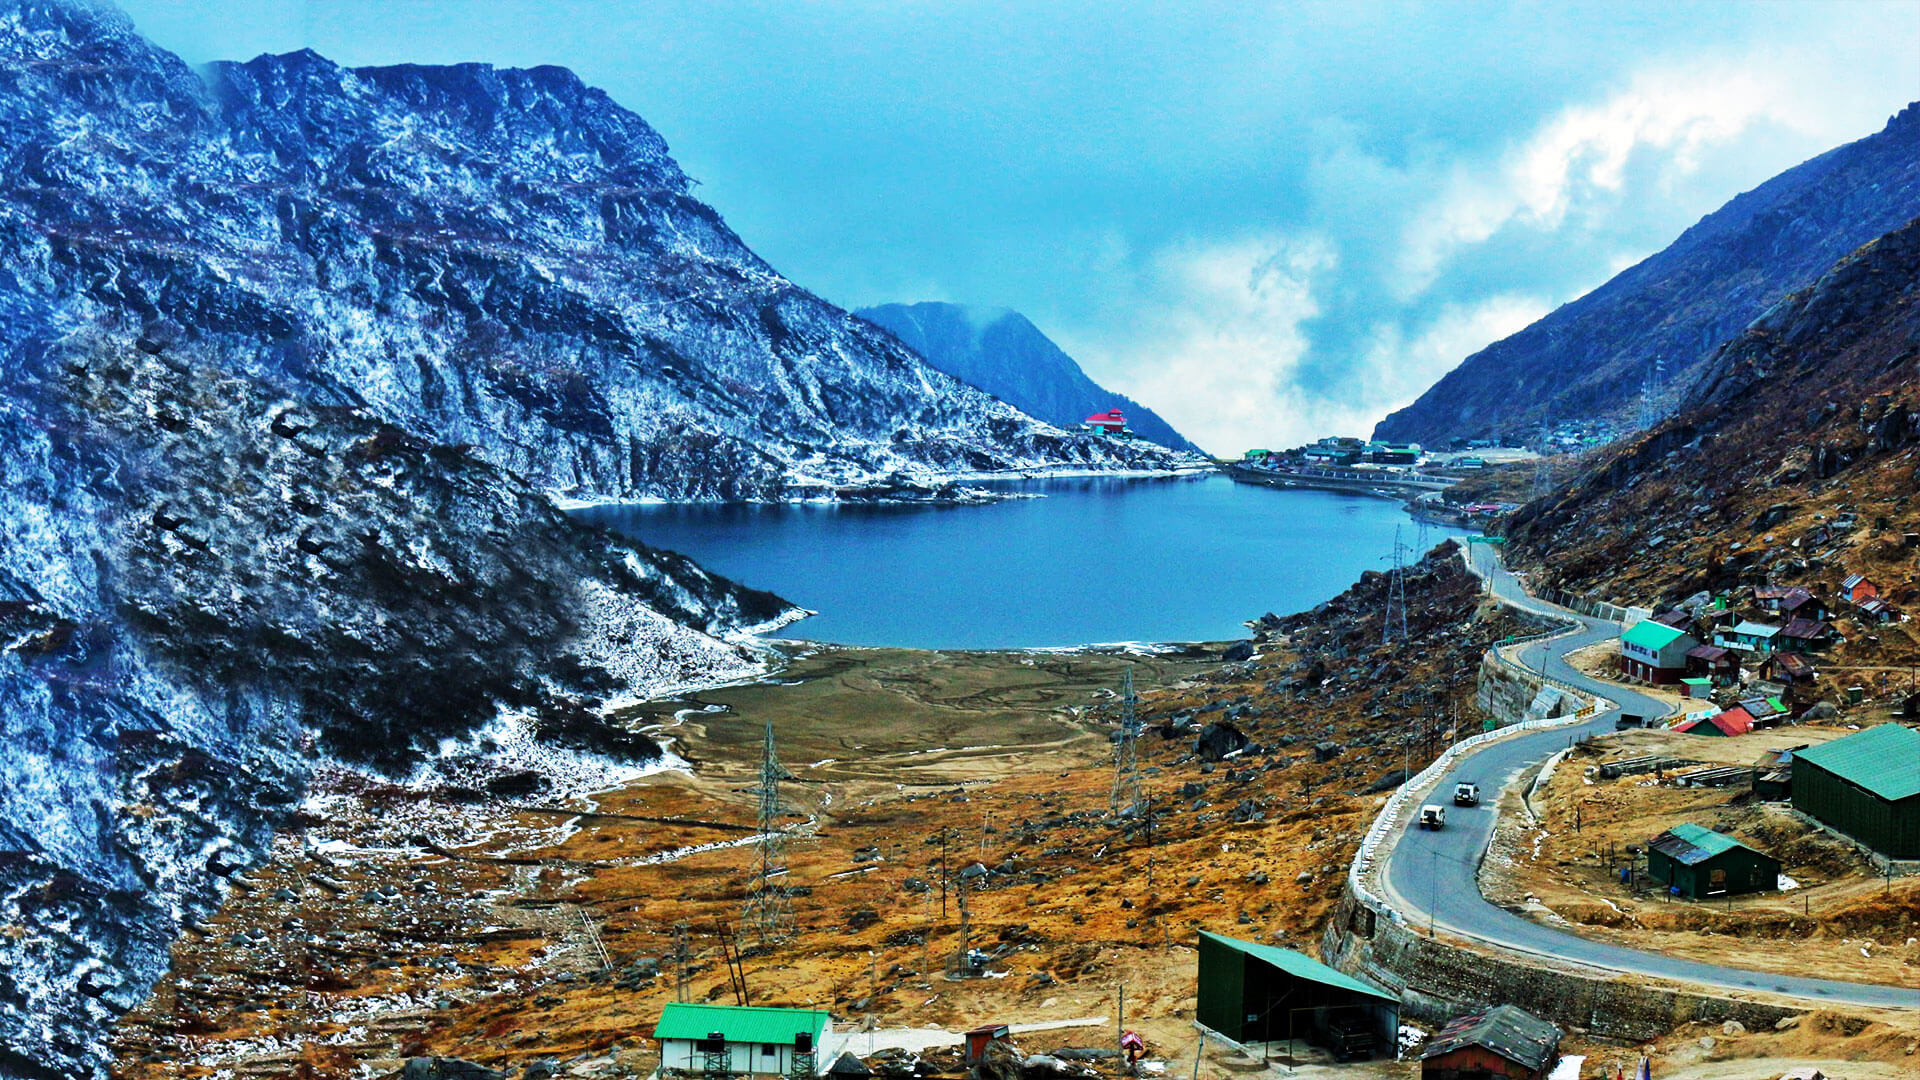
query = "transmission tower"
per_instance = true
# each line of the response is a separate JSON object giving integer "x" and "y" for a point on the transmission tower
{"x": 961, "y": 966}
{"x": 682, "y": 964}
{"x": 767, "y": 914}
{"x": 1653, "y": 393}
{"x": 1394, "y": 623}
{"x": 1543, "y": 466}
{"x": 1125, "y": 800}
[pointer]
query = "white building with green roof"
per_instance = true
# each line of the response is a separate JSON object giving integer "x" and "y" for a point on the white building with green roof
{"x": 1654, "y": 652}
{"x": 741, "y": 1040}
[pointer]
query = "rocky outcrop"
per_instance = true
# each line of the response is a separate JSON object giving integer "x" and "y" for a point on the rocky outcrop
{"x": 1591, "y": 357}
{"x": 1003, "y": 353}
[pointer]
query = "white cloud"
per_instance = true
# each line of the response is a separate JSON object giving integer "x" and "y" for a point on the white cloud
{"x": 1219, "y": 336}
{"x": 1398, "y": 367}
{"x": 1575, "y": 166}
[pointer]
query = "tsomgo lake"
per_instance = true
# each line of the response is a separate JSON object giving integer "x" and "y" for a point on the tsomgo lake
{"x": 1092, "y": 561}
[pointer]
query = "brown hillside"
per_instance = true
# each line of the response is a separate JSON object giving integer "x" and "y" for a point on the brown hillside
{"x": 1795, "y": 465}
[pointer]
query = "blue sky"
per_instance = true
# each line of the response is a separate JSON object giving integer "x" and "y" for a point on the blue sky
{"x": 1269, "y": 221}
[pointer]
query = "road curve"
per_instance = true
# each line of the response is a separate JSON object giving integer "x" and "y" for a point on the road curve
{"x": 1433, "y": 877}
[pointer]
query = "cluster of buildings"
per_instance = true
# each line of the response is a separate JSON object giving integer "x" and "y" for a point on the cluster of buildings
{"x": 1775, "y": 634}
{"x": 1339, "y": 452}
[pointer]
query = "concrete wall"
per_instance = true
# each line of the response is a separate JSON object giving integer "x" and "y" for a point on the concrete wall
{"x": 1438, "y": 981}
{"x": 1510, "y": 694}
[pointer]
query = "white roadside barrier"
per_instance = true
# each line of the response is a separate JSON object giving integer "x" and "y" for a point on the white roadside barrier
{"x": 1389, "y": 815}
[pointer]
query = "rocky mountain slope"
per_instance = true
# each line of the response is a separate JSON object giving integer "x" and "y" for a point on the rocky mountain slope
{"x": 1591, "y": 357}
{"x": 505, "y": 259}
{"x": 292, "y": 355}
{"x": 1003, "y": 353}
{"x": 209, "y": 586}
{"x": 1795, "y": 463}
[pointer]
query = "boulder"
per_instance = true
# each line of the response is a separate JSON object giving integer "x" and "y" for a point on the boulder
{"x": 439, "y": 1068}
{"x": 1219, "y": 739}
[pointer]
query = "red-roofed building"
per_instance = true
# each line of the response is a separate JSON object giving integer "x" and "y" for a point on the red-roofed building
{"x": 1111, "y": 422}
{"x": 1735, "y": 721}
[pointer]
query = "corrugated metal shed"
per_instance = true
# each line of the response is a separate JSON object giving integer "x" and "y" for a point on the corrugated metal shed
{"x": 1867, "y": 786}
{"x": 1691, "y": 844}
{"x": 1299, "y": 965}
{"x": 1884, "y": 760}
{"x": 1697, "y": 862}
{"x": 1512, "y": 1032}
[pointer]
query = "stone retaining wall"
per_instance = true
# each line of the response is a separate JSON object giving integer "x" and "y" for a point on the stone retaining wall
{"x": 1437, "y": 980}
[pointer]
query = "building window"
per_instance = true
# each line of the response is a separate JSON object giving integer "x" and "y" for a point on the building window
{"x": 769, "y": 1049}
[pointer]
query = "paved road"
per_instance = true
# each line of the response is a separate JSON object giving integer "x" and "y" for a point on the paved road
{"x": 1432, "y": 877}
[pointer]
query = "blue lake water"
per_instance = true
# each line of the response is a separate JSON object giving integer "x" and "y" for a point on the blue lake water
{"x": 1094, "y": 561}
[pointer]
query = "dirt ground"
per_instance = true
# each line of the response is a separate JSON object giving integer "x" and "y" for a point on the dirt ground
{"x": 933, "y": 803}
{"x": 1841, "y": 919}
{"x": 552, "y": 933}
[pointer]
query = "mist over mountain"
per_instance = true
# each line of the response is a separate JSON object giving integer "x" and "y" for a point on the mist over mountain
{"x": 1001, "y": 352}
{"x": 1590, "y": 358}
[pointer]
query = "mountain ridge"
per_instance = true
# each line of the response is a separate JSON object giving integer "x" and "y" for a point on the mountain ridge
{"x": 1590, "y": 357}
{"x": 1832, "y": 370}
{"x": 1002, "y": 352}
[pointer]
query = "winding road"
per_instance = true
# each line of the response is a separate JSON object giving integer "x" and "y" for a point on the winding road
{"x": 1432, "y": 878}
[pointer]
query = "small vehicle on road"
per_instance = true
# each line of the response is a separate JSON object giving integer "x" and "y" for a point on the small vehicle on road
{"x": 1466, "y": 793}
{"x": 1432, "y": 816}
{"x": 1628, "y": 720}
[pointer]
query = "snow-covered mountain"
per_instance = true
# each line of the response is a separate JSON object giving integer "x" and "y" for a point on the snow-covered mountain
{"x": 289, "y": 356}
{"x": 1002, "y": 352}
{"x": 505, "y": 259}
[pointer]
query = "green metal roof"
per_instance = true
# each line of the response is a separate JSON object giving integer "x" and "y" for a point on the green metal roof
{"x": 1709, "y": 842}
{"x": 740, "y": 1023}
{"x": 1651, "y": 635}
{"x": 1885, "y": 760}
{"x": 1697, "y": 682}
{"x": 1300, "y": 965}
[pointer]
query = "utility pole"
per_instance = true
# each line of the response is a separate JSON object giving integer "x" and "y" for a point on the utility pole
{"x": 1125, "y": 798}
{"x": 767, "y": 912}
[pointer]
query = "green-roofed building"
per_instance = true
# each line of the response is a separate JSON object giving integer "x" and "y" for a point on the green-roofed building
{"x": 1698, "y": 863}
{"x": 741, "y": 1040}
{"x": 1251, "y": 992}
{"x": 1654, "y": 652}
{"x": 1867, "y": 786}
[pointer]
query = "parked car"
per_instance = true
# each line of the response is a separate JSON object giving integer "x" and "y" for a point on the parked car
{"x": 1629, "y": 720}
{"x": 1433, "y": 816}
{"x": 1466, "y": 793}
